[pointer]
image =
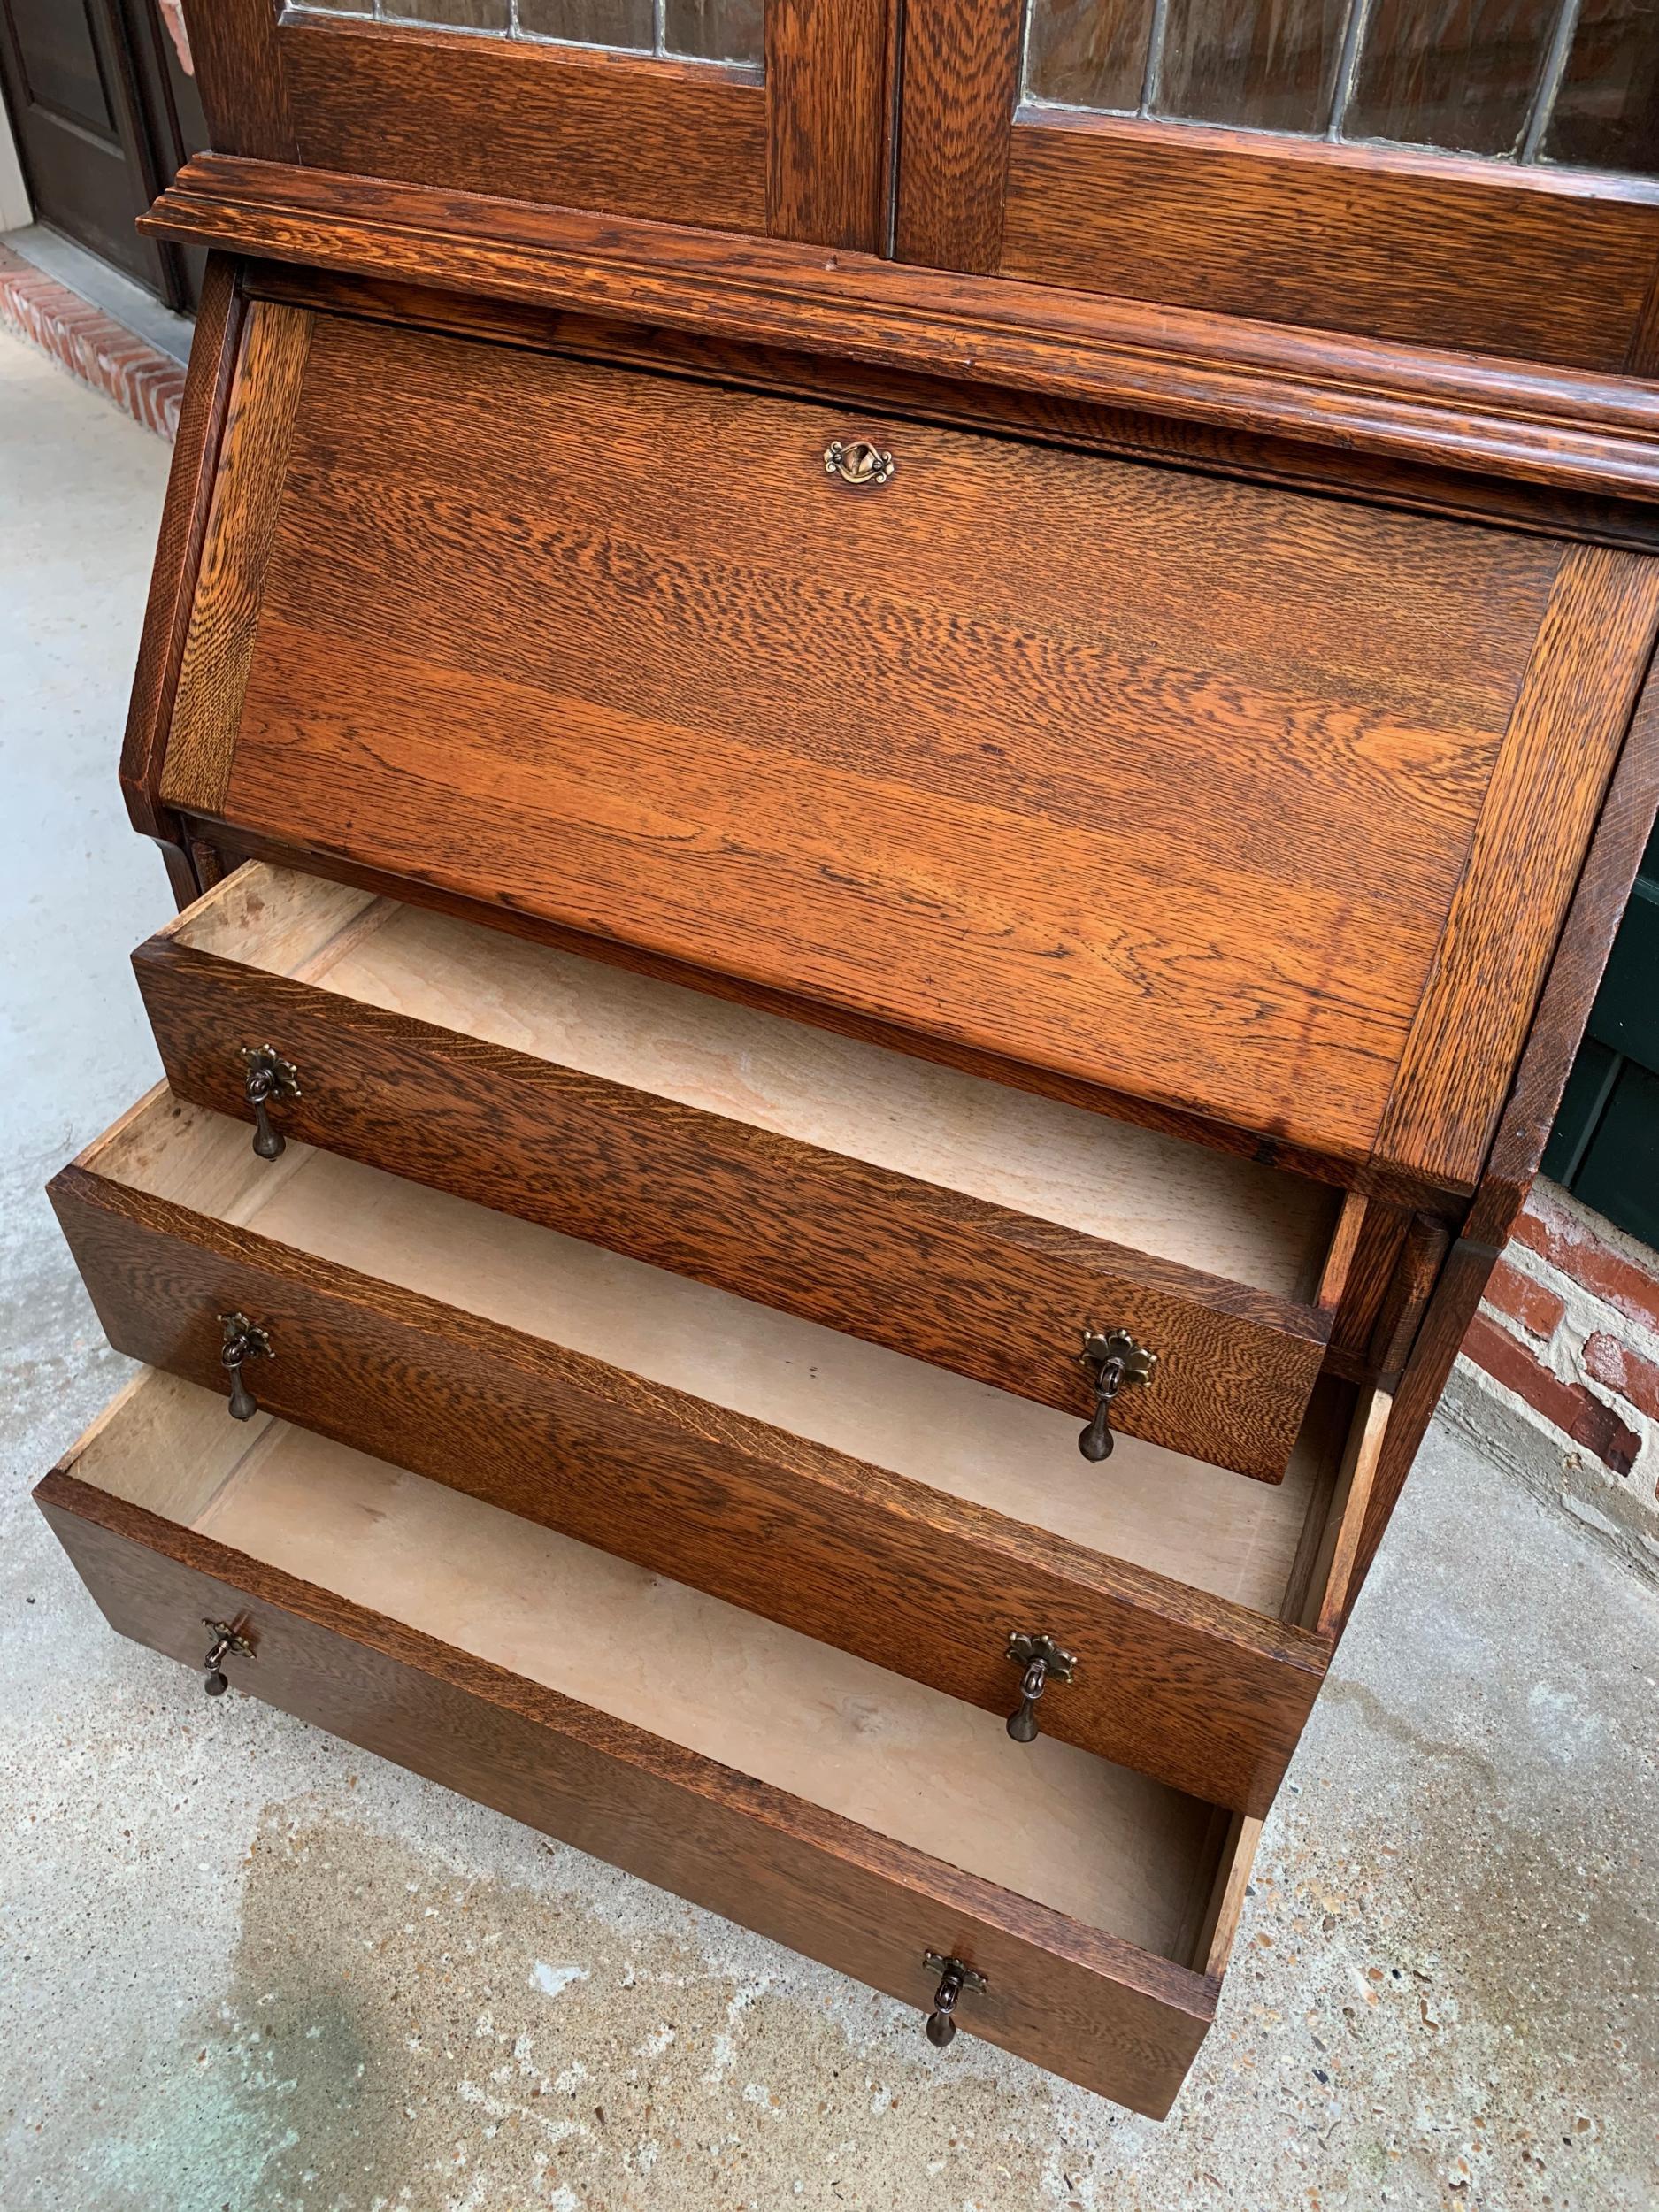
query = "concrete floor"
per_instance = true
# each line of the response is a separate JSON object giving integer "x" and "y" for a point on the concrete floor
{"x": 245, "y": 1968}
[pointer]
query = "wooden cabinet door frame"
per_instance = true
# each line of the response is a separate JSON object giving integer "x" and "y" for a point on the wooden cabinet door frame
{"x": 798, "y": 150}
{"x": 1544, "y": 264}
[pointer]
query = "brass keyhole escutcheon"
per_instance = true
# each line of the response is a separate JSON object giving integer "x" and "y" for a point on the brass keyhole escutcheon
{"x": 858, "y": 462}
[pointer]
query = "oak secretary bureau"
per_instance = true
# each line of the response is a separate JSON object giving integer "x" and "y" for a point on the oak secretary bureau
{"x": 880, "y": 920}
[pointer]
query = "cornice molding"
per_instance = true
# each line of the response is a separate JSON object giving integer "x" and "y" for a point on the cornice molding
{"x": 1566, "y": 430}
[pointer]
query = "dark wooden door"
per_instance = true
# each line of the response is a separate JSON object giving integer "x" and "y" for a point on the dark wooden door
{"x": 1478, "y": 179}
{"x": 104, "y": 112}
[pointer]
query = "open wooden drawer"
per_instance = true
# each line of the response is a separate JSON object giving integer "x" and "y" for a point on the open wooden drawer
{"x": 968, "y": 1224}
{"x": 893, "y": 1508}
{"x": 811, "y": 1795}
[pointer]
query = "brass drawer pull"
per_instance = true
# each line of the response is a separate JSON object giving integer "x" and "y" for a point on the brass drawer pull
{"x": 858, "y": 462}
{"x": 954, "y": 1980}
{"x": 227, "y": 1640}
{"x": 269, "y": 1076}
{"x": 1115, "y": 1360}
{"x": 243, "y": 1342}
{"x": 1044, "y": 1662}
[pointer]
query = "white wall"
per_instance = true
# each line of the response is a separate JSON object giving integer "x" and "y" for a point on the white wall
{"x": 14, "y": 201}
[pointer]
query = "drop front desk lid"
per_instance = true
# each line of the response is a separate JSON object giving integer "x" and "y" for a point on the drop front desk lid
{"x": 1256, "y": 803}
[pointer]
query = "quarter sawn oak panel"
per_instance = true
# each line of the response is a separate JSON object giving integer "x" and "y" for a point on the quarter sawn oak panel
{"x": 613, "y": 649}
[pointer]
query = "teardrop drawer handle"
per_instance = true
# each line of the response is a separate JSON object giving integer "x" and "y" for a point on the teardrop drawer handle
{"x": 1044, "y": 1662}
{"x": 243, "y": 1342}
{"x": 227, "y": 1640}
{"x": 268, "y": 1076}
{"x": 954, "y": 1981}
{"x": 1116, "y": 1361}
{"x": 858, "y": 462}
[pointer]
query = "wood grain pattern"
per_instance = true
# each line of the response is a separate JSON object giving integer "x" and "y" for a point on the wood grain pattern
{"x": 1418, "y": 487}
{"x": 815, "y": 750}
{"x": 1568, "y": 723}
{"x": 961, "y": 78}
{"x": 829, "y": 102}
{"x": 1622, "y": 832}
{"x": 1340, "y": 1258}
{"x": 1187, "y": 1687}
{"x": 1120, "y": 2020}
{"x": 1484, "y": 258}
{"x": 931, "y": 1272}
{"x": 1593, "y": 433}
{"x": 1334, "y": 1583}
{"x": 1374, "y": 1180}
{"x": 224, "y": 614}
{"x": 1373, "y": 1263}
{"x": 1422, "y": 1253}
{"x": 1614, "y": 856}
{"x": 238, "y": 75}
{"x": 184, "y": 517}
{"x": 636, "y": 134}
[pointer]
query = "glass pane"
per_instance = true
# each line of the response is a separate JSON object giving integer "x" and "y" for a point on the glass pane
{"x": 698, "y": 30}
{"x": 1088, "y": 53}
{"x": 1607, "y": 112}
{"x": 464, "y": 15}
{"x": 713, "y": 30}
{"x": 588, "y": 22}
{"x": 1460, "y": 74}
{"x": 1269, "y": 64}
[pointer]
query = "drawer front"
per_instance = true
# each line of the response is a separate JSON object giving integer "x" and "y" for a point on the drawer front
{"x": 1218, "y": 795}
{"x": 1173, "y": 1681}
{"x": 934, "y": 1273}
{"x": 1096, "y": 2009}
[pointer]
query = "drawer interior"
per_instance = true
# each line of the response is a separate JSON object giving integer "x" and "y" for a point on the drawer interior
{"x": 1150, "y": 1506}
{"x": 1046, "y": 1821}
{"x": 1225, "y": 1216}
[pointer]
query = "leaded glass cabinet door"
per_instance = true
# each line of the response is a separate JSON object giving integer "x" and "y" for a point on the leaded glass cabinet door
{"x": 770, "y": 117}
{"x": 1482, "y": 176}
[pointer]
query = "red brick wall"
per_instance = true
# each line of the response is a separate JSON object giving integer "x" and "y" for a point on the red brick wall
{"x": 1568, "y": 1340}
{"x": 90, "y": 344}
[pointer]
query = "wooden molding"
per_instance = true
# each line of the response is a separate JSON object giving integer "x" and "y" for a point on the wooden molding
{"x": 213, "y": 670}
{"x": 177, "y": 555}
{"x": 1572, "y": 431}
{"x": 1394, "y": 243}
{"x": 1575, "y": 969}
{"x": 1565, "y": 737}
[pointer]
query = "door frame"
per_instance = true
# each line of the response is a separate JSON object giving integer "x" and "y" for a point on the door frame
{"x": 1419, "y": 249}
{"x": 800, "y": 150}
